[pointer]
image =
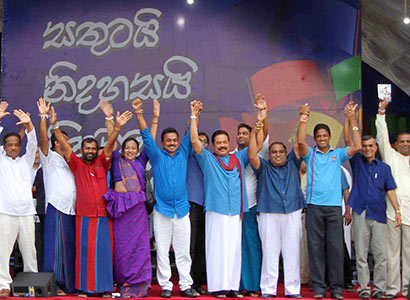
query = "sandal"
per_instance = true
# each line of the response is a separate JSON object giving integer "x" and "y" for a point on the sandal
{"x": 220, "y": 295}
{"x": 235, "y": 294}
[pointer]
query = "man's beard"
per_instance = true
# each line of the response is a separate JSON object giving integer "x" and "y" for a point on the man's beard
{"x": 90, "y": 157}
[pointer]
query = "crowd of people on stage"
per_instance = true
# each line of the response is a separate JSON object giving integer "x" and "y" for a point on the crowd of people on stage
{"x": 228, "y": 216}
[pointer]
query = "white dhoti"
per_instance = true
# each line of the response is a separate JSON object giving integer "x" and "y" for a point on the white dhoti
{"x": 223, "y": 235}
{"x": 280, "y": 233}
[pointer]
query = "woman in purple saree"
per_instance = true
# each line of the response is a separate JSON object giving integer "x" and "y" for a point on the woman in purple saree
{"x": 126, "y": 206}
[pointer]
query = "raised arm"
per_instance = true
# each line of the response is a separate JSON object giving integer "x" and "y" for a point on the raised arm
{"x": 137, "y": 106}
{"x": 393, "y": 200}
{"x": 156, "y": 111}
{"x": 261, "y": 105}
{"x": 357, "y": 140}
{"x": 346, "y": 130}
{"x": 31, "y": 147}
{"x": 120, "y": 121}
{"x": 382, "y": 137}
{"x": 108, "y": 111}
{"x": 253, "y": 148}
{"x": 43, "y": 109}
{"x": 193, "y": 134}
{"x": 65, "y": 145}
{"x": 304, "y": 112}
{"x": 24, "y": 118}
{"x": 3, "y": 109}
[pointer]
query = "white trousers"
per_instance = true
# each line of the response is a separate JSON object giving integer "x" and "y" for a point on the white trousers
{"x": 178, "y": 232}
{"x": 280, "y": 233}
{"x": 398, "y": 250}
{"x": 14, "y": 228}
{"x": 223, "y": 238}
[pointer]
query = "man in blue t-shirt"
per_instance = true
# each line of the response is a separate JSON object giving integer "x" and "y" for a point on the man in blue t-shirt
{"x": 324, "y": 224}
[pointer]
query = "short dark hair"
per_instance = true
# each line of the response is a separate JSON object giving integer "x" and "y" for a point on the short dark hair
{"x": 367, "y": 137}
{"x": 278, "y": 143}
{"x": 125, "y": 143}
{"x": 168, "y": 130}
{"x": 219, "y": 132}
{"x": 89, "y": 140}
{"x": 11, "y": 134}
{"x": 402, "y": 133}
{"x": 53, "y": 139}
{"x": 321, "y": 126}
{"x": 244, "y": 125}
{"x": 203, "y": 133}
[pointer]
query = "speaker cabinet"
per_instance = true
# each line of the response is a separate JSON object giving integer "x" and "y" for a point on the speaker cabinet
{"x": 34, "y": 285}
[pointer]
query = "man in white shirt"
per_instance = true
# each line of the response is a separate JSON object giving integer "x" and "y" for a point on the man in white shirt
{"x": 17, "y": 208}
{"x": 397, "y": 237}
{"x": 59, "y": 229}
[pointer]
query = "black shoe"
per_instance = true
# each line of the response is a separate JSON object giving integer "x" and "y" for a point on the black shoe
{"x": 189, "y": 293}
{"x": 349, "y": 288}
{"x": 390, "y": 296}
{"x": 364, "y": 295}
{"x": 267, "y": 296}
{"x": 296, "y": 296}
{"x": 201, "y": 290}
{"x": 234, "y": 294}
{"x": 318, "y": 296}
{"x": 336, "y": 296}
{"x": 166, "y": 294}
{"x": 377, "y": 295}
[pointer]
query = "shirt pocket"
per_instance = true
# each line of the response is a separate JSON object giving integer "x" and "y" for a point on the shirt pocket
{"x": 100, "y": 172}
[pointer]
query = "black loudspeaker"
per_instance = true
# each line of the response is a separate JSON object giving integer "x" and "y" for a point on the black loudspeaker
{"x": 34, "y": 285}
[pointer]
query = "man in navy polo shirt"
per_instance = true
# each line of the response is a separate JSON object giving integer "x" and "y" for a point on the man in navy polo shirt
{"x": 324, "y": 224}
{"x": 372, "y": 180}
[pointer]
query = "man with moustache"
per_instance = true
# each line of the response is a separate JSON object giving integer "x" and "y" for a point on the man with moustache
{"x": 372, "y": 181}
{"x": 279, "y": 208}
{"x": 171, "y": 211}
{"x": 93, "y": 260}
{"x": 225, "y": 203}
{"x": 398, "y": 238}
{"x": 324, "y": 223}
{"x": 17, "y": 208}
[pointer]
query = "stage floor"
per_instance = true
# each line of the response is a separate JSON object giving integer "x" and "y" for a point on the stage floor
{"x": 155, "y": 293}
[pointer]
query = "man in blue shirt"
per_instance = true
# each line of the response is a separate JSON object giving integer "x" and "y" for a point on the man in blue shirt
{"x": 196, "y": 197}
{"x": 171, "y": 211}
{"x": 324, "y": 223}
{"x": 280, "y": 203}
{"x": 372, "y": 180}
{"x": 225, "y": 203}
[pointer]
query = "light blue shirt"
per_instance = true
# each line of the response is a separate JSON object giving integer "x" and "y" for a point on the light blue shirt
{"x": 223, "y": 188}
{"x": 325, "y": 183}
{"x": 169, "y": 176}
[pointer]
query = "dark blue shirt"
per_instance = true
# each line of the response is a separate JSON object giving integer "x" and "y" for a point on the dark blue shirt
{"x": 371, "y": 181}
{"x": 169, "y": 176}
{"x": 195, "y": 181}
{"x": 279, "y": 187}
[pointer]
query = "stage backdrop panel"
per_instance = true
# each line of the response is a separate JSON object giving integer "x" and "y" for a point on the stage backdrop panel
{"x": 76, "y": 53}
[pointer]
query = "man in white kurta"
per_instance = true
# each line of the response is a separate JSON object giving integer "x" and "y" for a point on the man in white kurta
{"x": 224, "y": 204}
{"x": 17, "y": 208}
{"x": 398, "y": 237}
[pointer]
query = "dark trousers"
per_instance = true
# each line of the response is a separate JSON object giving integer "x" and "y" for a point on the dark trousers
{"x": 324, "y": 227}
{"x": 39, "y": 242}
{"x": 197, "y": 249}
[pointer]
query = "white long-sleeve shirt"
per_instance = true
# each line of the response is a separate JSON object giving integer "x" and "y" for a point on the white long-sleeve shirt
{"x": 16, "y": 198}
{"x": 59, "y": 182}
{"x": 400, "y": 167}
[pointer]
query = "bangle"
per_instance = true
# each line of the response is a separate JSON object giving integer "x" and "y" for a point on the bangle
{"x": 109, "y": 118}
{"x": 139, "y": 111}
{"x": 193, "y": 117}
{"x": 43, "y": 116}
{"x": 398, "y": 211}
{"x": 117, "y": 128}
{"x": 355, "y": 128}
{"x": 381, "y": 110}
{"x": 56, "y": 126}
{"x": 154, "y": 122}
